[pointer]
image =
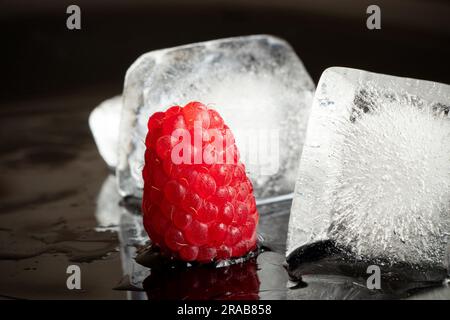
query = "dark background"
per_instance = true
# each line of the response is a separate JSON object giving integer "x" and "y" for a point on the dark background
{"x": 41, "y": 57}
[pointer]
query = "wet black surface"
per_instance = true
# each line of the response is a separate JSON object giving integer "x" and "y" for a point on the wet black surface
{"x": 50, "y": 177}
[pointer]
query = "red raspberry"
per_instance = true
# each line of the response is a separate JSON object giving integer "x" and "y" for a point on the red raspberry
{"x": 198, "y": 203}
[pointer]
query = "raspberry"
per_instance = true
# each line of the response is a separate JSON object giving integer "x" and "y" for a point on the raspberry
{"x": 198, "y": 203}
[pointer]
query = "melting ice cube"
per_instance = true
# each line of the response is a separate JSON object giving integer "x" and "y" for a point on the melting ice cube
{"x": 104, "y": 122}
{"x": 374, "y": 174}
{"x": 258, "y": 85}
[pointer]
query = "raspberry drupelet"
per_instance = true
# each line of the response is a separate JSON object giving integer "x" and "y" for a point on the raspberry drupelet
{"x": 198, "y": 203}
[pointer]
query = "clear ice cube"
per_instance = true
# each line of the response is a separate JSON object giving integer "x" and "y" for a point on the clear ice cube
{"x": 374, "y": 174}
{"x": 104, "y": 122}
{"x": 258, "y": 85}
{"x": 108, "y": 211}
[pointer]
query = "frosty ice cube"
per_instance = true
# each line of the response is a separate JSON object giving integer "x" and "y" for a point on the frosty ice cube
{"x": 374, "y": 174}
{"x": 258, "y": 85}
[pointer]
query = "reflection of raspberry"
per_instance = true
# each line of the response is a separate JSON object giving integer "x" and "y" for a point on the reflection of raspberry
{"x": 198, "y": 203}
{"x": 236, "y": 282}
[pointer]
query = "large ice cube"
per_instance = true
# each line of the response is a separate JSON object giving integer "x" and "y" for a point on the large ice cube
{"x": 257, "y": 83}
{"x": 375, "y": 169}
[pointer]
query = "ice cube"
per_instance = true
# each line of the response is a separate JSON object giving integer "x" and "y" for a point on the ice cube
{"x": 375, "y": 170}
{"x": 108, "y": 211}
{"x": 104, "y": 122}
{"x": 257, "y": 83}
{"x": 132, "y": 236}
